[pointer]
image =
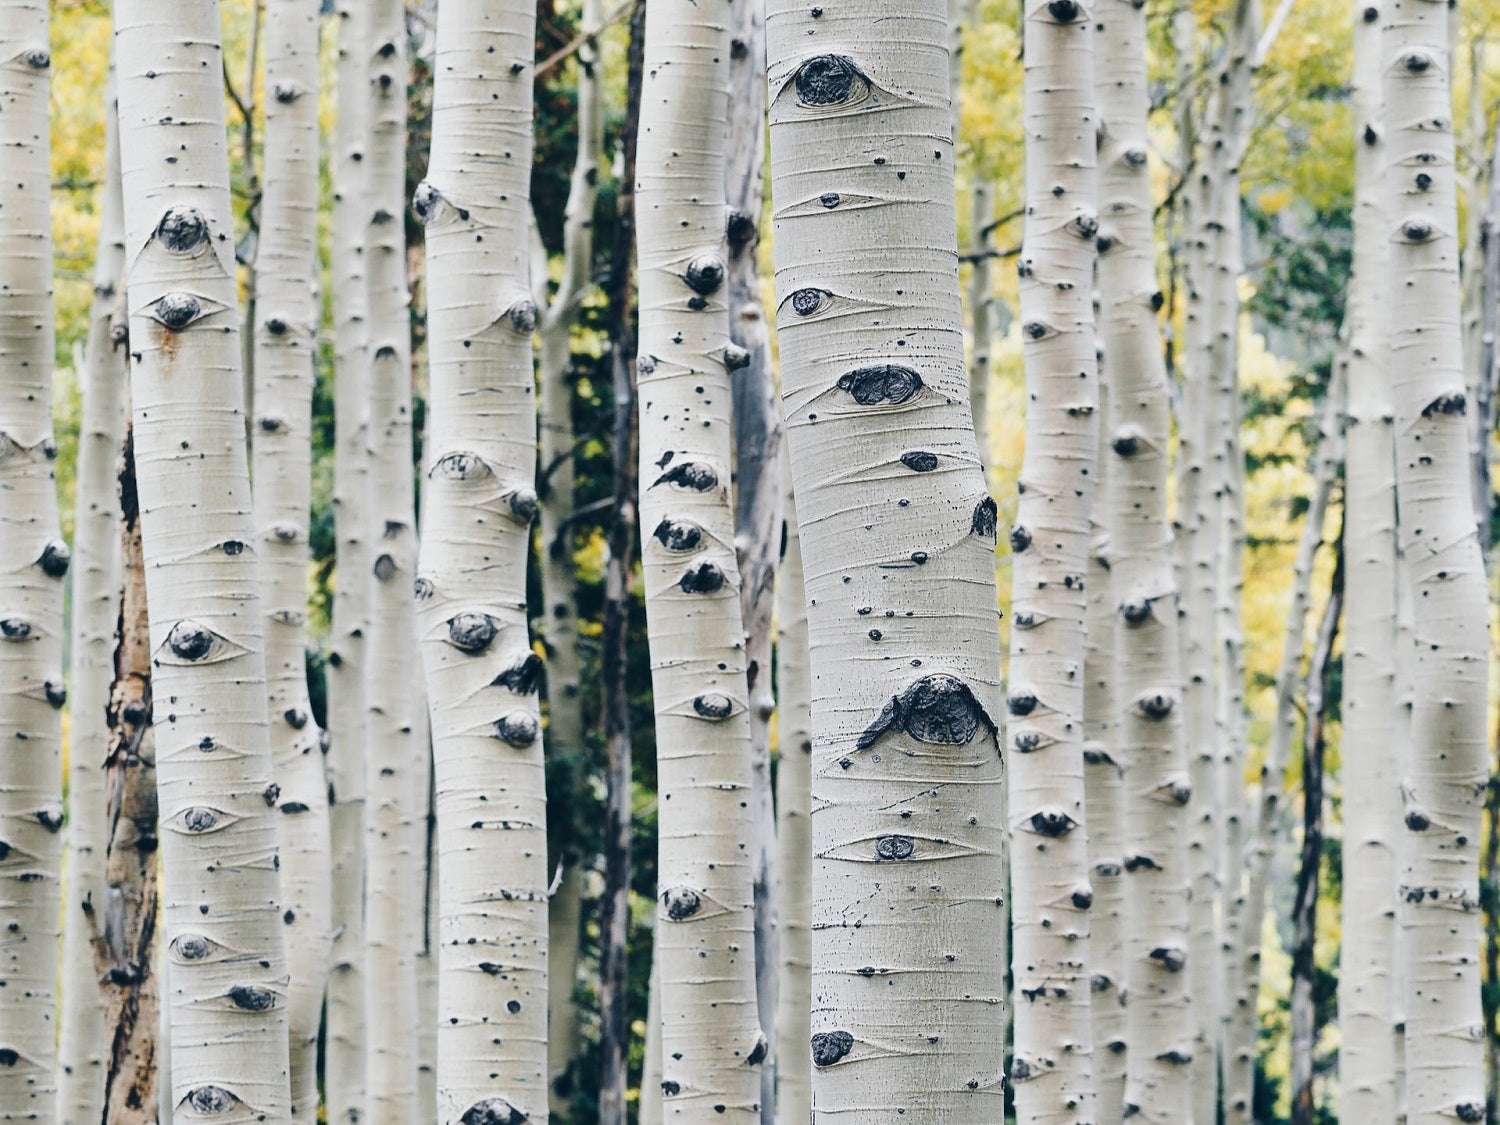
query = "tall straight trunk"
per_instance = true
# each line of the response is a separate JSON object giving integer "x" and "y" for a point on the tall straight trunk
{"x": 344, "y": 1057}
{"x": 712, "y": 1047}
{"x": 981, "y": 306}
{"x": 1371, "y": 810}
{"x": 1488, "y": 891}
{"x": 1143, "y": 590}
{"x": 427, "y": 963}
{"x": 1304, "y": 1013}
{"x": 1051, "y": 895}
{"x": 130, "y": 963}
{"x": 564, "y": 938}
{"x": 897, "y": 531}
{"x": 1487, "y": 375}
{"x": 31, "y": 581}
{"x": 650, "y": 1111}
{"x": 614, "y": 908}
{"x": 214, "y": 771}
{"x": 793, "y": 835}
{"x": 1103, "y": 778}
{"x": 1402, "y": 752}
{"x": 1444, "y": 789}
{"x": 82, "y": 1043}
{"x": 285, "y": 343}
{"x": 395, "y": 798}
{"x": 478, "y": 504}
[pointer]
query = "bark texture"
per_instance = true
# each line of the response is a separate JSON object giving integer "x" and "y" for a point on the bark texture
{"x": 31, "y": 582}
{"x": 898, "y": 539}
{"x": 1444, "y": 784}
{"x": 221, "y": 891}
{"x": 712, "y": 1046}
{"x": 479, "y": 501}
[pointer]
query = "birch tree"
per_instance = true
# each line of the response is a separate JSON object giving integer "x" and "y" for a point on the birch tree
{"x": 31, "y": 586}
{"x": 712, "y": 1046}
{"x": 82, "y": 1041}
{"x": 1050, "y": 543}
{"x": 218, "y": 836}
{"x": 395, "y": 772}
{"x": 344, "y": 1067}
{"x": 1147, "y": 685}
{"x": 479, "y": 501}
{"x": 1445, "y": 781}
{"x": 897, "y": 531}
{"x": 285, "y": 339}
{"x": 1367, "y": 978}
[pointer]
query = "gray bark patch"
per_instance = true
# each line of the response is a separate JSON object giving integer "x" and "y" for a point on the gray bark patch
{"x": 678, "y": 535}
{"x": 523, "y": 505}
{"x": 492, "y": 1111}
{"x": 985, "y": 515}
{"x": 939, "y": 709}
{"x": 828, "y": 1047}
{"x": 521, "y": 317}
{"x": 681, "y": 902}
{"x": 705, "y": 274}
{"x": 384, "y": 567}
{"x": 894, "y": 848}
{"x": 518, "y": 729}
{"x": 828, "y": 80}
{"x": 199, "y": 819}
{"x": 191, "y": 947}
{"x": 182, "y": 229}
{"x": 190, "y": 641}
{"x": 210, "y": 1101}
{"x": 471, "y": 632}
{"x": 881, "y": 383}
{"x": 809, "y": 301}
{"x": 252, "y": 998}
{"x": 177, "y": 310}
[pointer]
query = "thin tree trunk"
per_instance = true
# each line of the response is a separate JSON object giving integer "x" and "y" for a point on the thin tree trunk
{"x": 793, "y": 835}
{"x": 1305, "y": 899}
{"x": 1446, "y": 777}
{"x": 284, "y": 345}
{"x": 650, "y": 1112}
{"x": 1489, "y": 891}
{"x": 344, "y": 1058}
{"x": 1371, "y": 809}
{"x": 981, "y": 306}
{"x": 31, "y": 581}
{"x": 564, "y": 919}
{"x": 614, "y": 907}
{"x": 478, "y": 504}
{"x": 1051, "y": 896}
{"x": 898, "y": 538}
{"x": 96, "y": 614}
{"x": 221, "y": 889}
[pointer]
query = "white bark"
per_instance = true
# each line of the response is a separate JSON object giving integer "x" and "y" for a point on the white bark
{"x": 228, "y": 986}
{"x": 564, "y": 917}
{"x": 82, "y": 1041}
{"x": 1371, "y": 808}
{"x": 898, "y": 539}
{"x": 31, "y": 580}
{"x": 395, "y": 796}
{"x": 1051, "y": 896}
{"x": 1445, "y": 781}
{"x": 1148, "y": 686}
{"x": 287, "y": 315}
{"x": 650, "y": 1111}
{"x": 478, "y": 503}
{"x": 793, "y": 834}
{"x": 344, "y": 1061}
{"x": 712, "y": 1047}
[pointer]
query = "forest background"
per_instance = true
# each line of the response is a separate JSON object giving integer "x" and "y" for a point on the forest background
{"x": 1297, "y": 201}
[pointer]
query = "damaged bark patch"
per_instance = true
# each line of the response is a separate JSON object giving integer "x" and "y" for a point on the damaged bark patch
{"x": 705, "y": 578}
{"x": 182, "y": 230}
{"x": 939, "y": 709}
{"x": 985, "y": 514}
{"x": 693, "y": 475}
{"x": 460, "y": 465}
{"x": 829, "y": 80}
{"x": 678, "y": 535}
{"x": 881, "y": 383}
{"x": 523, "y": 678}
{"x": 828, "y": 1047}
{"x": 492, "y": 1111}
{"x": 1445, "y": 404}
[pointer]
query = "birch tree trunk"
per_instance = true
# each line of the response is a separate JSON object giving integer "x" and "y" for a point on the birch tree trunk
{"x": 1371, "y": 810}
{"x": 396, "y": 798}
{"x": 1444, "y": 787}
{"x": 1050, "y": 542}
{"x": 898, "y": 539}
{"x": 214, "y": 771}
{"x": 82, "y": 1043}
{"x": 285, "y": 342}
{"x": 1148, "y": 686}
{"x": 344, "y": 1062}
{"x": 650, "y": 1109}
{"x": 793, "y": 836}
{"x": 478, "y": 504}
{"x": 712, "y": 1046}
{"x": 31, "y": 586}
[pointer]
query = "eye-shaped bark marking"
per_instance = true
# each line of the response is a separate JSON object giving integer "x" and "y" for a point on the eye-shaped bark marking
{"x": 252, "y": 998}
{"x": 471, "y": 632}
{"x": 384, "y": 568}
{"x": 938, "y": 709}
{"x": 493, "y": 1111}
{"x": 680, "y": 902}
{"x": 828, "y": 1047}
{"x": 1030, "y": 741}
{"x": 693, "y": 475}
{"x": 1169, "y": 957}
{"x": 704, "y": 274}
{"x": 182, "y": 230}
{"x": 1021, "y": 702}
{"x": 1126, "y": 443}
{"x": 1175, "y": 1057}
{"x": 1155, "y": 706}
{"x": 678, "y": 536}
{"x": 1135, "y": 863}
{"x": 1064, "y": 11}
{"x": 1415, "y": 62}
{"x": 15, "y": 629}
{"x": 757, "y": 1053}
{"x": 1417, "y": 820}
{"x": 523, "y": 678}
{"x": 175, "y": 310}
{"x": 986, "y": 513}
{"x": 211, "y": 1101}
{"x": 1445, "y": 404}
{"x": 1052, "y": 822}
{"x": 422, "y": 589}
{"x": 286, "y": 92}
{"x": 1020, "y": 539}
{"x": 1083, "y": 898}
{"x": 1135, "y": 611}
{"x": 521, "y": 316}
{"x": 705, "y": 578}
{"x": 830, "y": 80}
{"x": 1176, "y": 792}
{"x": 1416, "y": 230}
{"x": 193, "y": 643}
{"x": 460, "y": 465}
{"x": 56, "y": 693}
{"x": 425, "y": 202}
{"x": 294, "y": 808}
{"x": 54, "y": 559}
{"x": 518, "y": 729}
{"x": 713, "y": 706}
{"x": 50, "y": 819}
{"x": 295, "y": 717}
{"x": 809, "y": 301}
{"x": 270, "y": 796}
{"x": 894, "y": 848}
{"x": 523, "y": 506}
{"x": 200, "y": 818}
{"x": 1469, "y": 1112}
{"x": 734, "y": 357}
{"x": 670, "y": 1089}
{"x": 881, "y": 383}
{"x": 919, "y": 460}
{"x": 192, "y": 947}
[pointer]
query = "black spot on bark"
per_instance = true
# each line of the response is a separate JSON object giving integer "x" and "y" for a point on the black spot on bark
{"x": 713, "y": 706}
{"x": 939, "y": 709}
{"x": 1100, "y": 982}
{"x": 694, "y": 475}
{"x": 422, "y": 589}
{"x": 680, "y": 902}
{"x": 705, "y": 274}
{"x": 199, "y": 819}
{"x": 177, "y": 310}
{"x": 1415, "y": 62}
{"x": 190, "y": 641}
{"x": 670, "y": 1089}
{"x": 757, "y": 1053}
{"x": 191, "y": 947}
{"x": 1371, "y": 14}
{"x": 489, "y": 968}
{"x": 471, "y": 632}
{"x": 705, "y": 578}
{"x": 492, "y": 1111}
{"x": 1141, "y": 863}
{"x": 1370, "y": 135}
{"x": 49, "y": 820}
{"x": 1020, "y": 539}
{"x": 384, "y": 567}
{"x": 1416, "y": 230}
{"x": 883, "y": 382}
{"x": 523, "y": 678}
{"x": 211, "y": 1100}
{"x": 460, "y": 465}
{"x": 1169, "y": 957}
{"x": 983, "y": 522}
{"x": 1444, "y": 404}
{"x": 1027, "y": 741}
{"x": 1135, "y": 610}
{"x": 739, "y": 228}
{"x": 1051, "y": 822}
{"x": 828, "y": 80}
{"x": 678, "y": 535}
{"x": 292, "y": 808}
{"x": 919, "y": 460}
{"x": 521, "y": 317}
{"x": 1021, "y": 703}
{"x": 1417, "y": 821}
{"x": 894, "y": 847}
{"x": 14, "y": 629}
{"x": 806, "y": 302}
{"x": 273, "y": 791}
{"x": 1125, "y": 445}
{"x": 294, "y": 718}
{"x": 1469, "y": 1112}
{"x": 182, "y": 229}
{"x": 1083, "y": 898}
{"x": 38, "y": 59}
{"x": 518, "y": 729}
{"x": 830, "y": 1046}
{"x": 232, "y": 547}
{"x": 56, "y": 693}
{"x": 1156, "y": 706}
{"x": 54, "y": 559}
{"x": 252, "y": 998}
{"x": 1175, "y": 1057}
